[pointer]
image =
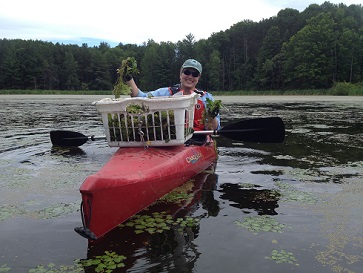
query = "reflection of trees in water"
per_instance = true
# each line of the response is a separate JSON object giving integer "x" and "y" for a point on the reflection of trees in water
{"x": 207, "y": 200}
{"x": 171, "y": 250}
{"x": 321, "y": 131}
{"x": 263, "y": 201}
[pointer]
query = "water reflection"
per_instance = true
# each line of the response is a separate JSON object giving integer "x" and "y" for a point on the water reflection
{"x": 317, "y": 171}
{"x": 264, "y": 202}
{"x": 68, "y": 151}
{"x": 172, "y": 249}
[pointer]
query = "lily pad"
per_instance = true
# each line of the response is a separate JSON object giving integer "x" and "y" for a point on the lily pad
{"x": 282, "y": 256}
{"x": 261, "y": 223}
{"x": 158, "y": 222}
{"x": 52, "y": 268}
{"x": 105, "y": 263}
{"x": 289, "y": 194}
{"x": 4, "y": 268}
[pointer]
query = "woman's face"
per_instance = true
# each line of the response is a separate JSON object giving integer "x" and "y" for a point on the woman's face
{"x": 191, "y": 80}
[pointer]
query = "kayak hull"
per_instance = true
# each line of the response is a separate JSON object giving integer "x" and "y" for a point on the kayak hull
{"x": 133, "y": 179}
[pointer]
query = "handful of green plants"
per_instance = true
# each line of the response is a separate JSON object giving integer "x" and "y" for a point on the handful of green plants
{"x": 213, "y": 108}
{"x": 127, "y": 69}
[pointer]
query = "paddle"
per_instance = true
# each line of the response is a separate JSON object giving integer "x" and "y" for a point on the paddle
{"x": 70, "y": 139}
{"x": 260, "y": 130}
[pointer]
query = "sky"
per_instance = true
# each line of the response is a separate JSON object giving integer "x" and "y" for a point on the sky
{"x": 133, "y": 21}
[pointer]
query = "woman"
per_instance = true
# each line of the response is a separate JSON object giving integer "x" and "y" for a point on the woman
{"x": 190, "y": 73}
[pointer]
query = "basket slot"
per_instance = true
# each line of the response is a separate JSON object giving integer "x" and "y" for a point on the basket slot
{"x": 153, "y": 128}
{"x": 119, "y": 127}
{"x": 132, "y": 126}
{"x": 161, "y": 126}
{"x": 168, "y": 120}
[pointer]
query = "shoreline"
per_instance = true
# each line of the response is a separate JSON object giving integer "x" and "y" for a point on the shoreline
{"x": 225, "y": 99}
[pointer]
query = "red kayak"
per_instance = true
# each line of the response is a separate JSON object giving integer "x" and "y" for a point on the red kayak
{"x": 133, "y": 179}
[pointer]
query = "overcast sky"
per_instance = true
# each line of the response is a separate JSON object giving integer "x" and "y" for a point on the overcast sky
{"x": 133, "y": 21}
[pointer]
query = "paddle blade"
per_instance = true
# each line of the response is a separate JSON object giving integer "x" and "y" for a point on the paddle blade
{"x": 261, "y": 130}
{"x": 67, "y": 138}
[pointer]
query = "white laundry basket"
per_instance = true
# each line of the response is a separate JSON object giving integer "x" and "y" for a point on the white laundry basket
{"x": 156, "y": 121}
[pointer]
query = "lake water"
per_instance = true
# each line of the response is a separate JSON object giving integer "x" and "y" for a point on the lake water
{"x": 290, "y": 207}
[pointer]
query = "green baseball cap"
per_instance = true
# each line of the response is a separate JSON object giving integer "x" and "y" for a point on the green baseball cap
{"x": 191, "y": 63}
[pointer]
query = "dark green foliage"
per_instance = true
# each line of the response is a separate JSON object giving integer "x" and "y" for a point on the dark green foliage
{"x": 312, "y": 49}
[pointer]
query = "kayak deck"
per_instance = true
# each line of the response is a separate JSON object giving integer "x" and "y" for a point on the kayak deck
{"x": 133, "y": 179}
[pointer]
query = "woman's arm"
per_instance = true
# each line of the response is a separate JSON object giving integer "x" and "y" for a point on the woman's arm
{"x": 134, "y": 89}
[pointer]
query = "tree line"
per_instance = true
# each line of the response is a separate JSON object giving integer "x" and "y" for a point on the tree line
{"x": 312, "y": 49}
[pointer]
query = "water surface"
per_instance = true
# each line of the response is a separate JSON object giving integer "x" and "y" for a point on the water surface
{"x": 291, "y": 207}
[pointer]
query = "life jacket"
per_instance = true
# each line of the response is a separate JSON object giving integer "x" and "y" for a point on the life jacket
{"x": 198, "y": 124}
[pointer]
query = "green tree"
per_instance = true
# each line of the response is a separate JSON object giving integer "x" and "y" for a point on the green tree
{"x": 152, "y": 68}
{"x": 214, "y": 71}
{"x": 185, "y": 49}
{"x": 267, "y": 72}
{"x": 101, "y": 78}
{"x": 348, "y": 52}
{"x": 10, "y": 69}
{"x": 70, "y": 68}
{"x": 309, "y": 55}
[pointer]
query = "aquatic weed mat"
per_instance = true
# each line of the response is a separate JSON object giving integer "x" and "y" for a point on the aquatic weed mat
{"x": 341, "y": 225}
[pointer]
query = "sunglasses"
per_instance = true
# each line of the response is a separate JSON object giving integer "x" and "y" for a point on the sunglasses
{"x": 193, "y": 73}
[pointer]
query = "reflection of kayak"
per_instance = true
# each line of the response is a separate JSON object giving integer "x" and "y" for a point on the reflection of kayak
{"x": 157, "y": 250}
{"x": 133, "y": 179}
{"x": 153, "y": 247}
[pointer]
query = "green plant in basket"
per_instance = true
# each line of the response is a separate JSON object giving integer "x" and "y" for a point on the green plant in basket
{"x": 154, "y": 126}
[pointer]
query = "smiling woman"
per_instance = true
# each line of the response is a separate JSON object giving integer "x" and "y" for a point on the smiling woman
{"x": 190, "y": 73}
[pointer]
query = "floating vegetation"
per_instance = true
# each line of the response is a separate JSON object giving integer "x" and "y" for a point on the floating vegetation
{"x": 248, "y": 185}
{"x": 309, "y": 174}
{"x": 51, "y": 268}
{"x": 106, "y": 263}
{"x": 261, "y": 223}
{"x": 288, "y": 194}
{"x": 159, "y": 222}
{"x": 180, "y": 194}
{"x": 9, "y": 211}
{"x": 15, "y": 177}
{"x": 299, "y": 196}
{"x": 267, "y": 196}
{"x": 283, "y": 186}
{"x": 4, "y": 268}
{"x": 282, "y": 256}
{"x": 54, "y": 211}
{"x": 176, "y": 197}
